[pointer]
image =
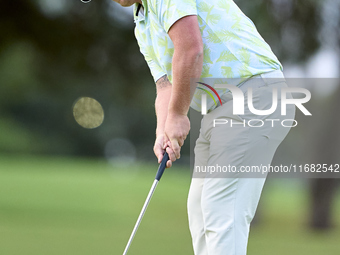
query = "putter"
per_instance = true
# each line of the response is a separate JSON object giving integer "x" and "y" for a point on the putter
{"x": 159, "y": 174}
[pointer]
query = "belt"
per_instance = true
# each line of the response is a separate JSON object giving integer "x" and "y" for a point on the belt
{"x": 259, "y": 80}
{"x": 256, "y": 81}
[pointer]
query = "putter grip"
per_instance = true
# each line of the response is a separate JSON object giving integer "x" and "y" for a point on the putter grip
{"x": 162, "y": 166}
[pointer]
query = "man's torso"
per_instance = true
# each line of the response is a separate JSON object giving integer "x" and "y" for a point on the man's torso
{"x": 232, "y": 46}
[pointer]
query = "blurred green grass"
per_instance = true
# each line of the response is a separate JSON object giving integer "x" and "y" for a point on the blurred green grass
{"x": 77, "y": 206}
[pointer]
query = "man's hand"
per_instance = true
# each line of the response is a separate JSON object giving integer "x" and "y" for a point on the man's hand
{"x": 162, "y": 144}
{"x": 176, "y": 130}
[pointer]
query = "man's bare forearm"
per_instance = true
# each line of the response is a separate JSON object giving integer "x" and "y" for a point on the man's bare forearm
{"x": 162, "y": 103}
{"x": 186, "y": 66}
{"x": 187, "y": 63}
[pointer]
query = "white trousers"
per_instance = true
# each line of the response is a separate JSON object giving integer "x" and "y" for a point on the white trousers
{"x": 220, "y": 208}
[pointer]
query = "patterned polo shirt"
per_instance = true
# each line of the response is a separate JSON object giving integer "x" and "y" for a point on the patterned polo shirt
{"x": 233, "y": 48}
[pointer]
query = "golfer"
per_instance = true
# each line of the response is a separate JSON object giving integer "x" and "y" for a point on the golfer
{"x": 186, "y": 40}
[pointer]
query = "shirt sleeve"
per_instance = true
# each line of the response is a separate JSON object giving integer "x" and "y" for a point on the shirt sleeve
{"x": 169, "y": 11}
{"x": 155, "y": 69}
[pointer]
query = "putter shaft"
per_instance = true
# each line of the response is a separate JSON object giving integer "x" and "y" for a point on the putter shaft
{"x": 159, "y": 174}
{"x": 146, "y": 203}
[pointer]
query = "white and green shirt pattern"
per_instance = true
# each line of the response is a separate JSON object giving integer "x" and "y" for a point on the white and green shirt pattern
{"x": 233, "y": 48}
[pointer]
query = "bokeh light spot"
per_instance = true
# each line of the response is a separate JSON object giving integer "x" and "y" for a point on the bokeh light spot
{"x": 88, "y": 112}
{"x": 120, "y": 151}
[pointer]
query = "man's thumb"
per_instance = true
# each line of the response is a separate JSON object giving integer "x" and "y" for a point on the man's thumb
{"x": 159, "y": 156}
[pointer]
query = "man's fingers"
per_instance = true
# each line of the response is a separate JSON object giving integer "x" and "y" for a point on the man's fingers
{"x": 165, "y": 142}
{"x": 158, "y": 152}
{"x": 171, "y": 154}
{"x": 176, "y": 148}
{"x": 159, "y": 157}
{"x": 181, "y": 142}
{"x": 168, "y": 164}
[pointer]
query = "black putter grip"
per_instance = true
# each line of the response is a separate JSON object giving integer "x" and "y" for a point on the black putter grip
{"x": 162, "y": 166}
